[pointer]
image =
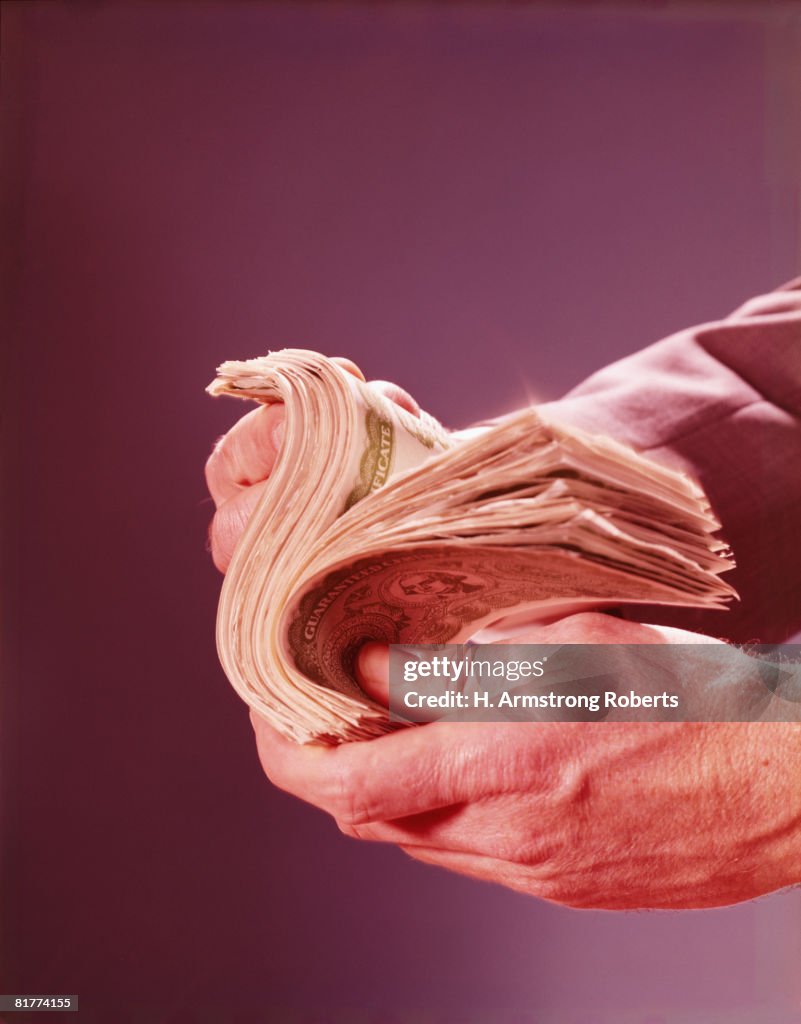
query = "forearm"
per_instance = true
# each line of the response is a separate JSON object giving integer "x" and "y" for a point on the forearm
{"x": 723, "y": 402}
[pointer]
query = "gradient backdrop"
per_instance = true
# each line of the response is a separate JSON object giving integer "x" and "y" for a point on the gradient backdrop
{"x": 481, "y": 202}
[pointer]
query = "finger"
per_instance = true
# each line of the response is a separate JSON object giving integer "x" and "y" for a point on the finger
{"x": 229, "y": 523}
{"x": 424, "y": 829}
{"x": 446, "y": 828}
{"x": 396, "y": 394}
{"x": 672, "y": 635}
{"x": 508, "y": 828}
{"x": 587, "y": 628}
{"x": 406, "y": 772}
{"x": 386, "y": 388}
{"x": 769, "y": 305}
{"x": 372, "y": 675}
{"x": 349, "y": 366}
{"x": 372, "y": 671}
{"x": 246, "y": 454}
{"x": 602, "y": 628}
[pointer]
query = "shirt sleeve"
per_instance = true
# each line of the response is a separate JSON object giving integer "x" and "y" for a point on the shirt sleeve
{"x": 722, "y": 401}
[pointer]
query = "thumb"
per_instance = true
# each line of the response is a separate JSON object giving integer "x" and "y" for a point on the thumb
{"x": 372, "y": 675}
{"x": 372, "y": 671}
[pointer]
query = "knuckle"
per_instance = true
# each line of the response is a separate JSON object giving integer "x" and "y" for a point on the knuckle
{"x": 220, "y": 536}
{"x": 218, "y": 471}
{"x": 351, "y": 831}
{"x": 214, "y": 457}
{"x": 210, "y": 469}
{"x": 350, "y": 800}
{"x": 219, "y": 448}
{"x": 215, "y": 448}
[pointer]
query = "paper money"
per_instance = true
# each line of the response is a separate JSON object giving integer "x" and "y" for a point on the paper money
{"x": 377, "y": 525}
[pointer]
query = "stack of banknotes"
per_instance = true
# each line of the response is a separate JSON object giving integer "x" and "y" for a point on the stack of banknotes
{"x": 381, "y": 526}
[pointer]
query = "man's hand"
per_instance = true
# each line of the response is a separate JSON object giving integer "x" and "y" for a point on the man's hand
{"x": 604, "y": 815}
{"x": 609, "y": 815}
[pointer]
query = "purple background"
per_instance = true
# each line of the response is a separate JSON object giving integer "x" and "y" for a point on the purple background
{"x": 482, "y": 203}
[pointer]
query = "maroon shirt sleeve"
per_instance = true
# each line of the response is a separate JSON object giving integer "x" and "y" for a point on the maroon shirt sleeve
{"x": 723, "y": 402}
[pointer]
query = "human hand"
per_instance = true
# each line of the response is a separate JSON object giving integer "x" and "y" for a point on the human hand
{"x": 615, "y": 815}
{"x": 239, "y": 467}
{"x": 593, "y": 814}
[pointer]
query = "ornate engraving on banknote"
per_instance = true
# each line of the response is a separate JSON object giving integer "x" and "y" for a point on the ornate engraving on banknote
{"x": 426, "y": 596}
{"x": 376, "y": 462}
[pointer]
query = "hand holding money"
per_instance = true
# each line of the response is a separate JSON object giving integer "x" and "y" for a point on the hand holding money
{"x": 378, "y": 525}
{"x": 612, "y": 814}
